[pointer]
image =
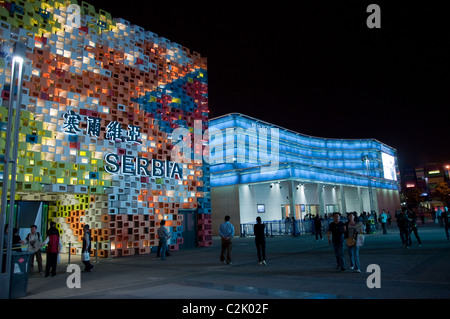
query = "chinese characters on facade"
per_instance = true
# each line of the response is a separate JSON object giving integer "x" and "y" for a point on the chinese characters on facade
{"x": 114, "y": 130}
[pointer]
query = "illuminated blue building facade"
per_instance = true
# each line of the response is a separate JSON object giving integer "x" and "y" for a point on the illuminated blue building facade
{"x": 258, "y": 168}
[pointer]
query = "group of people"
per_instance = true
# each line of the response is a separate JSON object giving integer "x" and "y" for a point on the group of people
{"x": 339, "y": 234}
{"x": 226, "y": 232}
{"x": 52, "y": 245}
{"x": 407, "y": 224}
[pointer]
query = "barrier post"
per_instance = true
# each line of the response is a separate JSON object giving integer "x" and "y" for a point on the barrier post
{"x": 96, "y": 252}
{"x": 109, "y": 249}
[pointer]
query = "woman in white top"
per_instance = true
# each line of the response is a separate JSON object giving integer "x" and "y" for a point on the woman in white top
{"x": 353, "y": 230}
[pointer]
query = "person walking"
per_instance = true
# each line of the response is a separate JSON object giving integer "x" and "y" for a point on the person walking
{"x": 422, "y": 216}
{"x": 318, "y": 227}
{"x": 158, "y": 250}
{"x": 287, "y": 225}
{"x": 86, "y": 249}
{"x": 226, "y": 232}
{"x": 365, "y": 220}
{"x": 353, "y": 229}
{"x": 163, "y": 235}
{"x": 34, "y": 242}
{"x": 335, "y": 235}
{"x": 413, "y": 227}
{"x": 16, "y": 241}
{"x": 439, "y": 216}
{"x": 445, "y": 219}
{"x": 383, "y": 221}
{"x": 294, "y": 227}
{"x": 53, "y": 247}
{"x": 403, "y": 226}
{"x": 260, "y": 240}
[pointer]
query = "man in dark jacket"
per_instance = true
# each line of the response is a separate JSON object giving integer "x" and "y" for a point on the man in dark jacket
{"x": 335, "y": 234}
{"x": 260, "y": 240}
{"x": 318, "y": 227}
{"x": 403, "y": 223}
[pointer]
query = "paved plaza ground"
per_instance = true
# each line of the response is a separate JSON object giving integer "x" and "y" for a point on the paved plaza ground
{"x": 297, "y": 268}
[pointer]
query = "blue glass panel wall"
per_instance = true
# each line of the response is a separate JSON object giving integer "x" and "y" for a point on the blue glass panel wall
{"x": 240, "y": 145}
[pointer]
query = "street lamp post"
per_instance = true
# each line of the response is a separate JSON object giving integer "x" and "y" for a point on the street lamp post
{"x": 365, "y": 159}
{"x": 13, "y": 127}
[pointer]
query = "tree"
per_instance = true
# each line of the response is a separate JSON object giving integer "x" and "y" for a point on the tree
{"x": 413, "y": 196}
{"x": 442, "y": 191}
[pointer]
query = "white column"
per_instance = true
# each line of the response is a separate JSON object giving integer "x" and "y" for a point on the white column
{"x": 343, "y": 206}
{"x": 361, "y": 199}
{"x": 321, "y": 200}
{"x": 291, "y": 198}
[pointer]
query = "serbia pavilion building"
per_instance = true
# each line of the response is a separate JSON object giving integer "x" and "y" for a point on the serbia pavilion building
{"x": 101, "y": 101}
{"x": 261, "y": 169}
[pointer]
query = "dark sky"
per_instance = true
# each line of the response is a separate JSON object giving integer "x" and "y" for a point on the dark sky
{"x": 316, "y": 68}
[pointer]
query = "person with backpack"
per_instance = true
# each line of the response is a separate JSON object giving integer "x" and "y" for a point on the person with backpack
{"x": 53, "y": 246}
{"x": 34, "y": 242}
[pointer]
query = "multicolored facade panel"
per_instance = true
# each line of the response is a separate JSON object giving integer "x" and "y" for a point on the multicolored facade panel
{"x": 101, "y": 100}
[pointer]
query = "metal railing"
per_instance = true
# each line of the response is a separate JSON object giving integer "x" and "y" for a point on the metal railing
{"x": 283, "y": 228}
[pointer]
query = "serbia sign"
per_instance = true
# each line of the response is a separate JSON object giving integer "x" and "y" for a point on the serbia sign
{"x": 130, "y": 165}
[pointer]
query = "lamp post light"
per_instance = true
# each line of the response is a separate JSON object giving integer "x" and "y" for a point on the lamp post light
{"x": 12, "y": 130}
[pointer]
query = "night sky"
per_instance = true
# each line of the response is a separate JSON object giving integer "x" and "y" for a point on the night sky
{"x": 316, "y": 68}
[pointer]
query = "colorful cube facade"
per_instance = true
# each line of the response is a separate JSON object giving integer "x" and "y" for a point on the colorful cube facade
{"x": 102, "y": 100}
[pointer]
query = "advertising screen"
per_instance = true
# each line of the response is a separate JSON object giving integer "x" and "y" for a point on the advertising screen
{"x": 261, "y": 208}
{"x": 389, "y": 166}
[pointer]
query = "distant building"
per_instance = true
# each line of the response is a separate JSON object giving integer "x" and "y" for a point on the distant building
{"x": 424, "y": 178}
{"x": 260, "y": 169}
